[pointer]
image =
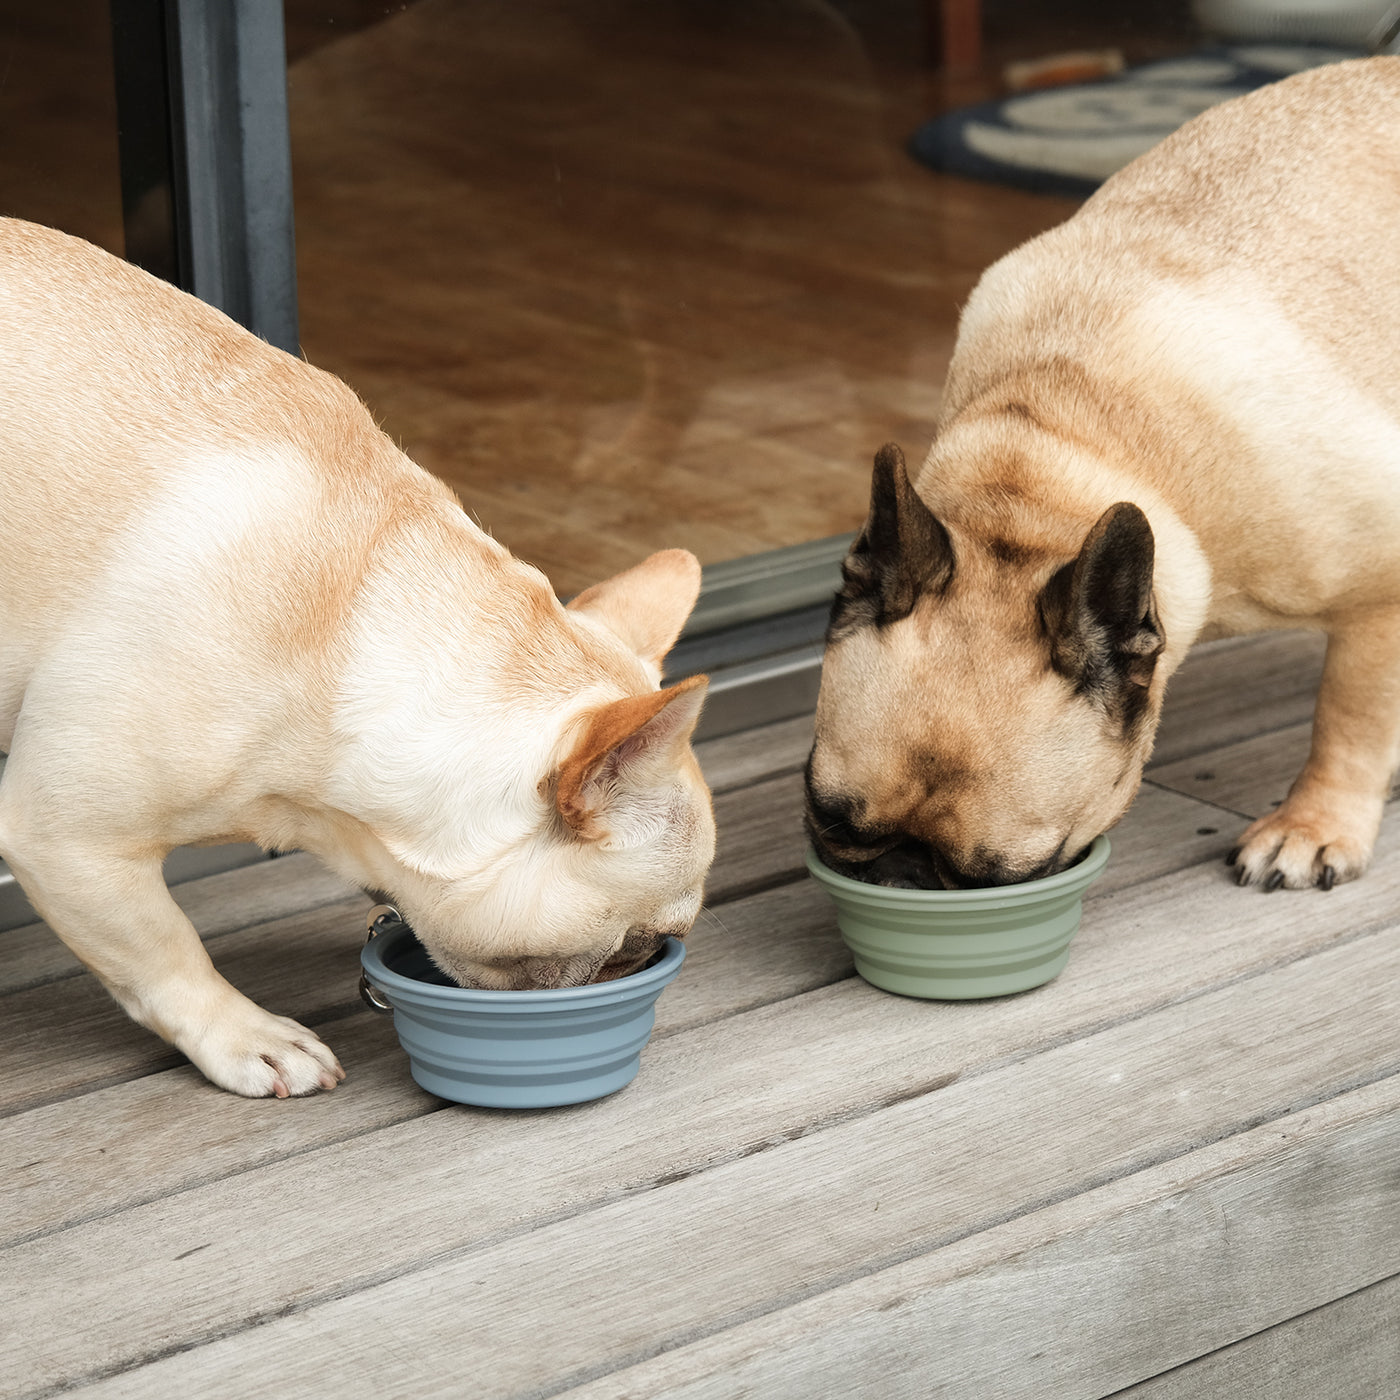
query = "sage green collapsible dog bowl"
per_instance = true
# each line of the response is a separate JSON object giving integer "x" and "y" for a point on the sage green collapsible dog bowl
{"x": 956, "y": 945}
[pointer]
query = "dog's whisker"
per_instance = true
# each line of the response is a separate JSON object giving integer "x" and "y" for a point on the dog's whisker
{"x": 714, "y": 918}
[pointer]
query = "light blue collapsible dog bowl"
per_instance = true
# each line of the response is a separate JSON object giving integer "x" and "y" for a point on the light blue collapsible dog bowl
{"x": 535, "y": 1049}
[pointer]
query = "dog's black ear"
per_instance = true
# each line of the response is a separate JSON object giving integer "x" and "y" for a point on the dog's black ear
{"x": 901, "y": 553}
{"x": 1099, "y": 610}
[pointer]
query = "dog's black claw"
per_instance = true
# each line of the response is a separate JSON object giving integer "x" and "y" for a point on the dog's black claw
{"x": 1329, "y": 877}
{"x": 1242, "y": 875}
{"x": 1234, "y": 855}
{"x": 1274, "y": 881}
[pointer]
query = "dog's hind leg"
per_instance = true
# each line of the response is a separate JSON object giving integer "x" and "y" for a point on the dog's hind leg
{"x": 1323, "y": 832}
{"x": 117, "y": 916}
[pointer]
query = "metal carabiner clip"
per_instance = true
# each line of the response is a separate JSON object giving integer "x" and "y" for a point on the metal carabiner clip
{"x": 381, "y": 917}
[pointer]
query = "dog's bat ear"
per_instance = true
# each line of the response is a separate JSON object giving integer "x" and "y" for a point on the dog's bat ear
{"x": 622, "y": 746}
{"x": 1099, "y": 610}
{"x": 647, "y": 605}
{"x": 901, "y": 553}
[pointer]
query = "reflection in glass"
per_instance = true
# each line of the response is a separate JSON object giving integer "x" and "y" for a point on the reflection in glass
{"x": 643, "y": 273}
{"x": 58, "y": 119}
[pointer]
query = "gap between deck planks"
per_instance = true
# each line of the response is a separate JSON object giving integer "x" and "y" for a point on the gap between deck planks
{"x": 230, "y": 901}
{"x": 1228, "y": 691}
{"x": 284, "y": 933}
{"x": 1066, "y": 1302}
{"x": 63, "y": 1034}
{"x": 743, "y": 955}
{"x": 1345, "y": 1350}
{"x": 31, "y": 954}
{"x": 1267, "y": 681}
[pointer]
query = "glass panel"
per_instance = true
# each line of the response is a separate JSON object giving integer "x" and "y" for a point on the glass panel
{"x": 58, "y": 118}
{"x": 652, "y": 272}
{"x": 626, "y": 274}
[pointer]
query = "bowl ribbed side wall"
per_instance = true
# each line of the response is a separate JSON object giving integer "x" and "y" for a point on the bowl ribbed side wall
{"x": 520, "y": 1050}
{"x": 525, "y": 1060}
{"x": 953, "y": 945}
{"x": 982, "y": 955}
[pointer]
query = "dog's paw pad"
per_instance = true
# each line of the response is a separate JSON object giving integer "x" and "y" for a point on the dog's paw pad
{"x": 1294, "y": 849}
{"x": 266, "y": 1056}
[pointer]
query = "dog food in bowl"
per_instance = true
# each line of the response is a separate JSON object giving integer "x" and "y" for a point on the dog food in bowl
{"x": 530, "y": 1049}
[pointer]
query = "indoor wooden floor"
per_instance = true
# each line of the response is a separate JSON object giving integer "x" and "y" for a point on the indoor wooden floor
{"x": 626, "y": 275}
{"x": 1167, "y": 1175}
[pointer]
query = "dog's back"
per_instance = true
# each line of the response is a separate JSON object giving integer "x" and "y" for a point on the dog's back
{"x": 111, "y": 381}
{"x": 152, "y": 450}
{"x": 1173, "y": 320}
{"x": 1295, "y": 187}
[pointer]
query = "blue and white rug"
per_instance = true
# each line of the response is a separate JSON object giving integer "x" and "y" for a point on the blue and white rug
{"x": 1069, "y": 140}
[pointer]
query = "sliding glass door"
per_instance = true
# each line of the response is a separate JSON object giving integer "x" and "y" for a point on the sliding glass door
{"x": 627, "y": 275}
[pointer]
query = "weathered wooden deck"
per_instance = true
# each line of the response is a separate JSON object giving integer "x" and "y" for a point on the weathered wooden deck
{"x": 1174, "y": 1172}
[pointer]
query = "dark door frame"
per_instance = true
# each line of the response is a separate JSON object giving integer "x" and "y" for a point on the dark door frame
{"x": 205, "y": 151}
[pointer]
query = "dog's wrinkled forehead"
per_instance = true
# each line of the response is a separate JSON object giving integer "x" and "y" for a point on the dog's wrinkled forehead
{"x": 991, "y": 611}
{"x": 908, "y": 704}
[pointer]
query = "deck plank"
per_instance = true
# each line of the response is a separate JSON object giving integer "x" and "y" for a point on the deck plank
{"x": 166, "y": 1131}
{"x": 1163, "y": 832}
{"x": 238, "y": 898}
{"x": 135, "y": 1197}
{"x": 761, "y": 845}
{"x": 322, "y": 1223}
{"x": 1228, "y": 691}
{"x": 1068, "y": 1301}
{"x": 63, "y": 1033}
{"x": 216, "y": 904}
{"x": 1219, "y": 688}
{"x": 760, "y": 840}
{"x": 64, "y": 1036}
{"x": 1249, "y": 778}
{"x": 758, "y": 1236}
{"x": 153, "y": 1137}
{"x": 1346, "y": 1350}
{"x": 169, "y": 1131}
{"x": 762, "y": 752}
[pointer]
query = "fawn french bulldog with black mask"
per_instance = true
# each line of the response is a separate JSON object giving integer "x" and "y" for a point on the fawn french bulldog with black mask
{"x": 1175, "y": 416}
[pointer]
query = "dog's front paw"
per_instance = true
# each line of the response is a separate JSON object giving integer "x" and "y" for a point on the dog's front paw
{"x": 1317, "y": 839}
{"x": 264, "y": 1055}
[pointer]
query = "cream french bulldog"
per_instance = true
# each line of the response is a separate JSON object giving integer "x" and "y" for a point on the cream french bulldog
{"x": 1175, "y": 416}
{"x": 231, "y": 609}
